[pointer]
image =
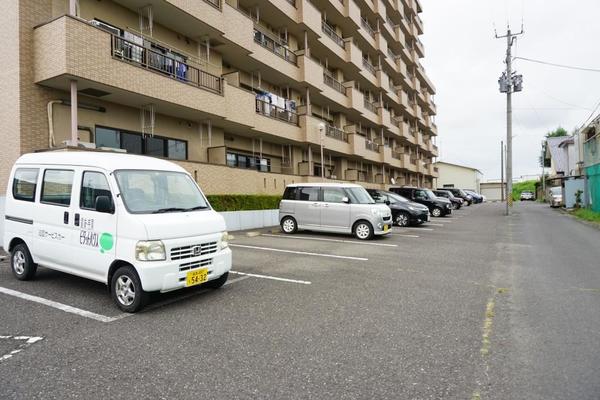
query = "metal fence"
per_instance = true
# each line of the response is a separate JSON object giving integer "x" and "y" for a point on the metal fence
{"x": 172, "y": 67}
{"x": 270, "y": 44}
{"x": 336, "y": 133}
{"x": 333, "y": 83}
{"x": 370, "y": 106}
{"x": 273, "y": 111}
{"x": 329, "y": 31}
{"x": 370, "y": 145}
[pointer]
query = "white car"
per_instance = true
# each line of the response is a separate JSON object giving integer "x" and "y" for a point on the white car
{"x": 555, "y": 196}
{"x": 137, "y": 224}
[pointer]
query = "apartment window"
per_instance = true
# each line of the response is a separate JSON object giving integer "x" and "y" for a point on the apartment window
{"x": 56, "y": 187}
{"x": 24, "y": 184}
{"x": 244, "y": 161}
{"x": 136, "y": 143}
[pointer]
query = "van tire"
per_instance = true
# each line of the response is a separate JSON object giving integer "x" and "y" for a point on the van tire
{"x": 217, "y": 283}
{"x": 123, "y": 281}
{"x": 436, "y": 212}
{"x": 363, "y": 230}
{"x": 289, "y": 225}
{"x": 21, "y": 263}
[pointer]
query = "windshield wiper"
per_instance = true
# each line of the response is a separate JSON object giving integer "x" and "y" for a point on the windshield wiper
{"x": 196, "y": 208}
{"x": 169, "y": 209}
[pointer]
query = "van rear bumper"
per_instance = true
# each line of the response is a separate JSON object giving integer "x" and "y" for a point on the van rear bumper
{"x": 166, "y": 276}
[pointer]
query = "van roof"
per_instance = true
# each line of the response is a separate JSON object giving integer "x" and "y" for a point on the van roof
{"x": 327, "y": 184}
{"x": 105, "y": 160}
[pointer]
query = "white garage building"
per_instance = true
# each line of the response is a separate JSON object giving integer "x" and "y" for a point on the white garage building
{"x": 458, "y": 176}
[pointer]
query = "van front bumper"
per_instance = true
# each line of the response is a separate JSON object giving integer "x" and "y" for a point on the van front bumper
{"x": 165, "y": 276}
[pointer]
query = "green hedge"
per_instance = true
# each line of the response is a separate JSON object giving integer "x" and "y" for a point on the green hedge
{"x": 242, "y": 202}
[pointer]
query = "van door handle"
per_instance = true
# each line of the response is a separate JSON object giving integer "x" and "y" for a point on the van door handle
{"x": 316, "y": 204}
{"x": 66, "y": 217}
{"x": 76, "y": 222}
{"x": 325, "y": 205}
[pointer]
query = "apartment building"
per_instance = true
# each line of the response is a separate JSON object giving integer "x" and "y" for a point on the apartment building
{"x": 247, "y": 95}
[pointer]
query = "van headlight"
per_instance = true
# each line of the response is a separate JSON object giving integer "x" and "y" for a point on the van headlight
{"x": 224, "y": 242}
{"x": 150, "y": 250}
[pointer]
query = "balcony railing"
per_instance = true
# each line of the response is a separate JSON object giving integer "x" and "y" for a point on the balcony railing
{"x": 214, "y": 3}
{"x": 292, "y": 2}
{"x": 368, "y": 66}
{"x": 271, "y": 110}
{"x": 397, "y": 155}
{"x": 270, "y": 44}
{"x": 371, "y": 106}
{"x": 370, "y": 145}
{"x": 391, "y": 54}
{"x": 365, "y": 24}
{"x": 389, "y": 21}
{"x": 334, "y": 83}
{"x": 336, "y": 133}
{"x": 172, "y": 67}
{"x": 330, "y": 32}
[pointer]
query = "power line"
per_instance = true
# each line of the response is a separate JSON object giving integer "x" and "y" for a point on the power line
{"x": 558, "y": 65}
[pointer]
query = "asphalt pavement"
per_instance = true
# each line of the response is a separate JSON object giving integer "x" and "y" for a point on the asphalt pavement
{"x": 473, "y": 306}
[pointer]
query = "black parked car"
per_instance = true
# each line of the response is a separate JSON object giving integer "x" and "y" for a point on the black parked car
{"x": 438, "y": 206}
{"x": 404, "y": 212}
{"x": 455, "y": 201}
{"x": 461, "y": 194}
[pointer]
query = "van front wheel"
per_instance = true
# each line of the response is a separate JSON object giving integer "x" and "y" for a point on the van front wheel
{"x": 21, "y": 263}
{"x": 288, "y": 224}
{"x": 126, "y": 290}
{"x": 363, "y": 230}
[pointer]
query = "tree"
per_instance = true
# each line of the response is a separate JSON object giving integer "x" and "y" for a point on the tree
{"x": 560, "y": 131}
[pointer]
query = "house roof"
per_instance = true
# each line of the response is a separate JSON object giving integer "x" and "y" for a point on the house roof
{"x": 458, "y": 165}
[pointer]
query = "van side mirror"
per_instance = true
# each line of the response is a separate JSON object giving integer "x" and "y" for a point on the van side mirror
{"x": 345, "y": 200}
{"x": 103, "y": 204}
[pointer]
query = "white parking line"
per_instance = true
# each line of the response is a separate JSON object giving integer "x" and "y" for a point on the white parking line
{"x": 430, "y": 224}
{"x": 275, "y": 278}
{"x": 60, "y": 306}
{"x": 416, "y": 229}
{"x": 404, "y": 235}
{"x": 92, "y": 315}
{"x": 298, "y": 252}
{"x": 29, "y": 340}
{"x": 330, "y": 240}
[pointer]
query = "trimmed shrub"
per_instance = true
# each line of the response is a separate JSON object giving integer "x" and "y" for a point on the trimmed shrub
{"x": 243, "y": 202}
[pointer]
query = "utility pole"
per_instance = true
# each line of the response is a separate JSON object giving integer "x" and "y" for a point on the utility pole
{"x": 502, "y": 171}
{"x": 509, "y": 83}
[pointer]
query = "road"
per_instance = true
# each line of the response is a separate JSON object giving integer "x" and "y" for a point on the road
{"x": 473, "y": 306}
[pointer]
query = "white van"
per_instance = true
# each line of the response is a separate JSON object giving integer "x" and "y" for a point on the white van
{"x": 137, "y": 224}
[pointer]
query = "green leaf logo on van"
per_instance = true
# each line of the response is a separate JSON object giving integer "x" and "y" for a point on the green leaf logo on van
{"x": 106, "y": 242}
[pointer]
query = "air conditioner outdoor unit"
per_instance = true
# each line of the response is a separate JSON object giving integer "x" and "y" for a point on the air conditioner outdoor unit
{"x": 86, "y": 145}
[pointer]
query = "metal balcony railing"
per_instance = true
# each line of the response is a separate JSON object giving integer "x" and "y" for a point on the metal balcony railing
{"x": 365, "y": 24}
{"x": 214, "y": 3}
{"x": 370, "y": 145}
{"x": 172, "y": 67}
{"x": 336, "y": 133}
{"x": 397, "y": 155}
{"x": 389, "y": 21}
{"x": 368, "y": 66}
{"x": 334, "y": 83}
{"x": 271, "y": 110}
{"x": 273, "y": 46}
{"x": 391, "y": 54}
{"x": 371, "y": 106}
{"x": 330, "y": 32}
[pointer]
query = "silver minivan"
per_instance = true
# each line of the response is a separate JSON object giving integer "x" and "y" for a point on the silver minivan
{"x": 333, "y": 207}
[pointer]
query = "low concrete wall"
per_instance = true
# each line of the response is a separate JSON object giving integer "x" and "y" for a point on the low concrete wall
{"x": 241, "y": 220}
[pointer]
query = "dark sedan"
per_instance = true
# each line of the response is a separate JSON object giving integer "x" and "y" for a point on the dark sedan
{"x": 456, "y": 202}
{"x": 404, "y": 212}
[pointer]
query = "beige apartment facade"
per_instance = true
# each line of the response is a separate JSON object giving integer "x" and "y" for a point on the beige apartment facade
{"x": 242, "y": 93}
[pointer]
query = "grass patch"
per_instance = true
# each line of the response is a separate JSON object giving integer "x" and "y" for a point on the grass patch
{"x": 243, "y": 202}
{"x": 587, "y": 215}
{"x": 518, "y": 188}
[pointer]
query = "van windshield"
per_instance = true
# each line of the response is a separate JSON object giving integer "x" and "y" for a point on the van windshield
{"x": 360, "y": 196}
{"x": 154, "y": 192}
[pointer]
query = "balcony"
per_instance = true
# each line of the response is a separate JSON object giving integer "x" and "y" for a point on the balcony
{"x": 334, "y": 139}
{"x": 266, "y": 41}
{"x": 336, "y": 133}
{"x": 367, "y": 27}
{"x": 333, "y": 83}
{"x": 143, "y": 57}
{"x": 371, "y": 145}
{"x": 368, "y": 66}
{"x": 330, "y": 32}
{"x": 275, "y": 112}
{"x": 370, "y": 106}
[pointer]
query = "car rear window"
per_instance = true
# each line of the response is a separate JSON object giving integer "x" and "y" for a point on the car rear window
{"x": 290, "y": 193}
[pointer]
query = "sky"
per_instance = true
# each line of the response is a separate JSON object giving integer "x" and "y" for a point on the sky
{"x": 464, "y": 61}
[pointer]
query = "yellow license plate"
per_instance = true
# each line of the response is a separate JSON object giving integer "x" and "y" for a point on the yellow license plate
{"x": 196, "y": 277}
{"x": 386, "y": 228}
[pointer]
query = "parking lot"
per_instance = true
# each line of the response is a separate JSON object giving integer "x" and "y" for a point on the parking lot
{"x": 302, "y": 316}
